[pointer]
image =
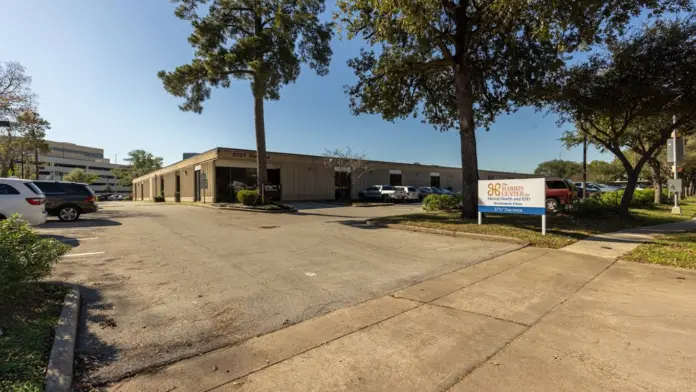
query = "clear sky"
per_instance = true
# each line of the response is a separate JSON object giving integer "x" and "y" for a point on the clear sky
{"x": 94, "y": 66}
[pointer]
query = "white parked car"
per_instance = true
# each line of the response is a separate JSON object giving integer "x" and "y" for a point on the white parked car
{"x": 412, "y": 193}
{"x": 382, "y": 192}
{"x": 22, "y": 197}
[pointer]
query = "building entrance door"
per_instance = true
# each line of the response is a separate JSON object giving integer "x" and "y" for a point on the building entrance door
{"x": 197, "y": 185}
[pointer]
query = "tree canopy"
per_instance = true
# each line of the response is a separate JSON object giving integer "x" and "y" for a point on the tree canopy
{"x": 633, "y": 96}
{"x": 140, "y": 163}
{"x": 81, "y": 176}
{"x": 261, "y": 41}
{"x": 460, "y": 63}
{"x": 559, "y": 168}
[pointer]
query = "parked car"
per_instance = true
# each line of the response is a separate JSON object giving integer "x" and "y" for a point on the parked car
{"x": 22, "y": 197}
{"x": 411, "y": 192}
{"x": 559, "y": 193}
{"x": 592, "y": 189}
{"x": 429, "y": 190}
{"x": 446, "y": 191}
{"x": 382, "y": 192}
{"x": 67, "y": 200}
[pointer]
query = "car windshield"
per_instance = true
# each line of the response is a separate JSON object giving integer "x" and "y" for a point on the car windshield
{"x": 387, "y": 188}
{"x": 412, "y": 189}
{"x": 556, "y": 184}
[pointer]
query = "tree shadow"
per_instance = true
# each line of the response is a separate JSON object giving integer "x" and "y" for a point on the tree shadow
{"x": 359, "y": 224}
{"x": 89, "y": 222}
{"x": 70, "y": 241}
{"x": 91, "y": 352}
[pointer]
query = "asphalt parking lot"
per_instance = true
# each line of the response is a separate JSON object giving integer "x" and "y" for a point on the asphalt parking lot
{"x": 164, "y": 282}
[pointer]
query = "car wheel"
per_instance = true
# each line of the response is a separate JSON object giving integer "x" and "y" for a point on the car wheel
{"x": 69, "y": 213}
{"x": 385, "y": 199}
{"x": 551, "y": 205}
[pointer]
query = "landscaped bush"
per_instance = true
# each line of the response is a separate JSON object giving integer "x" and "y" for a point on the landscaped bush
{"x": 608, "y": 202}
{"x": 24, "y": 256}
{"x": 442, "y": 202}
{"x": 641, "y": 198}
{"x": 247, "y": 197}
{"x": 159, "y": 199}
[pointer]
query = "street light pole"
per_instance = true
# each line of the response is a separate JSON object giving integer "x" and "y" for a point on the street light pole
{"x": 676, "y": 209}
{"x": 584, "y": 166}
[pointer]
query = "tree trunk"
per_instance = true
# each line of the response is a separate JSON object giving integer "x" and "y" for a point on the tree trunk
{"x": 36, "y": 162}
{"x": 657, "y": 179}
{"x": 261, "y": 172}
{"x": 467, "y": 133}
{"x": 633, "y": 176}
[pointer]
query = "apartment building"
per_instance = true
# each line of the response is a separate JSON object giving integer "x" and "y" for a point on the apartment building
{"x": 63, "y": 157}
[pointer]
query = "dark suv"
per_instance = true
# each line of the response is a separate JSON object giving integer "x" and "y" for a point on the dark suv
{"x": 67, "y": 200}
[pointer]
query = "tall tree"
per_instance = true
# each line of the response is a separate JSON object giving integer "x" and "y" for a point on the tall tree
{"x": 559, "y": 168}
{"x": 625, "y": 99}
{"x": 16, "y": 97}
{"x": 34, "y": 133}
{"x": 81, "y": 176}
{"x": 459, "y": 63}
{"x": 140, "y": 162}
{"x": 261, "y": 41}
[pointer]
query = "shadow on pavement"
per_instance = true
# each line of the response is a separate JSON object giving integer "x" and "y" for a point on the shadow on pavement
{"x": 58, "y": 224}
{"x": 360, "y": 224}
{"x": 72, "y": 241}
{"x": 90, "y": 351}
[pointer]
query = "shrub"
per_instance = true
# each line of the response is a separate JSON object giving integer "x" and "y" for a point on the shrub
{"x": 592, "y": 207}
{"x": 159, "y": 199}
{"x": 247, "y": 197}
{"x": 442, "y": 202}
{"x": 26, "y": 257}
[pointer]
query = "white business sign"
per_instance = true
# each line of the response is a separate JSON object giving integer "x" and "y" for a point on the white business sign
{"x": 515, "y": 196}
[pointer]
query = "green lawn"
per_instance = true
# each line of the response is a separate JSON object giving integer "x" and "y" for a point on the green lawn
{"x": 27, "y": 337}
{"x": 561, "y": 230}
{"x": 674, "y": 250}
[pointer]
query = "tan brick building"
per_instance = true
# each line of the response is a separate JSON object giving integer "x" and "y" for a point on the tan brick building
{"x": 291, "y": 177}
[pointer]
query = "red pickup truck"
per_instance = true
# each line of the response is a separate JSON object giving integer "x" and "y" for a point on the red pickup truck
{"x": 559, "y": 192}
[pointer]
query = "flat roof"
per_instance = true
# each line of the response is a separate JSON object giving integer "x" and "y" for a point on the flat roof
{"x": 415, "y": 164}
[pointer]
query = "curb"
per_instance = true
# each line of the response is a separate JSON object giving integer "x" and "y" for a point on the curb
{"x": 59, "y": 374}
{"x": 475, "y": 236}
{"x": 368, "y": 205}
{"x": 256, "y": 210}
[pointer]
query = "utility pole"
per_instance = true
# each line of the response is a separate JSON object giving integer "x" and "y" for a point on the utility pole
{"x": 584, "y": 165}
{"x": 676, "y": 209}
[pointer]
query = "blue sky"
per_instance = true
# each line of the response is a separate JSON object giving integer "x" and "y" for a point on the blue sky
{"x": 94, "y": 66}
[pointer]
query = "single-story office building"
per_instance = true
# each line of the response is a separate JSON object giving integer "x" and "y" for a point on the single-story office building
{"x": 212, "y": 176}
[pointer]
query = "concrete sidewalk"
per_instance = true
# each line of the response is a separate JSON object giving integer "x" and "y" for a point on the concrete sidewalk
{"x": 531, "y": 320}
{"x": 614, "y": 245}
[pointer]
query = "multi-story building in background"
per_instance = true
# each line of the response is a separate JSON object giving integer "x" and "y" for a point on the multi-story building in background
{"x": 62, "y": 158}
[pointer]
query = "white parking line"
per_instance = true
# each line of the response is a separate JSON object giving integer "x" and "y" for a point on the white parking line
{"x": 84, "y": 254}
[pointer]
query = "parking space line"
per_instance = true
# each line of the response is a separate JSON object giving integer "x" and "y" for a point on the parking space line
{"x": 84, "y": 254}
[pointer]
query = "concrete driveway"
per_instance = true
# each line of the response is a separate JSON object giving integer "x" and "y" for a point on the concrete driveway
{"x": 531, "y": 320}
{"x": 164, "y": 282}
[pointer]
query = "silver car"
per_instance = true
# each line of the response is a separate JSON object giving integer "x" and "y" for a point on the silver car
{"x": 382, "y": 192}
{"x": 412, "y": 193}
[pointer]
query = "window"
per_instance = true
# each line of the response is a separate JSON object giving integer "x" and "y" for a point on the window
{"x": 49, "y": 187}
{"x": 371, "y": 188}
{"x": 491, "y": 177}
{"x": 387, "y": 188}
{"x": 75, "y": 189}
{"x": 8, "y": 190}
{"x": 33, "y": 188}
{"x": 412, "y": 189}
{"x": 395, "y": 179}
{"x": 557, "y": 184}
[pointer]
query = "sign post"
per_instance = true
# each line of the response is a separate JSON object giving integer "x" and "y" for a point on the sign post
{"x": 675, "y": 154}
{"x": 514, "y": 196}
